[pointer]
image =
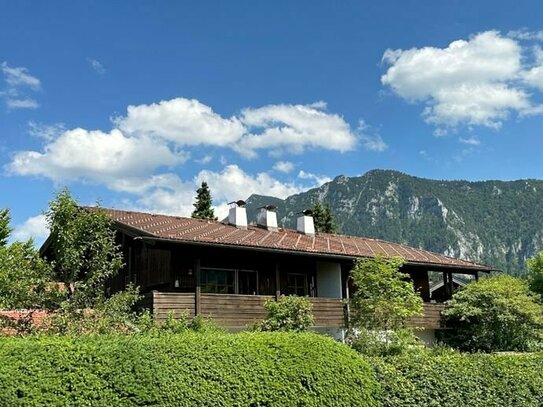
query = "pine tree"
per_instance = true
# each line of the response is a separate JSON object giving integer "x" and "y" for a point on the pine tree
{"x": 323, "y": 218}
{"x": 202, "y": 206}
{"x": 4, "y": 226}
{"x": 329, "y": 222}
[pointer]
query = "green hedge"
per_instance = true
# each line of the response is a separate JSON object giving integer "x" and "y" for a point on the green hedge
{"x": 461, "y": 380}
{"x": 247, "y": 369}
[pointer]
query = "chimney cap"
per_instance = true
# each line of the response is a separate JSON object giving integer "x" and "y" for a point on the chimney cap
{"x": 306, "y": 212}
{"x": 268, "y": 207}
{"x": 240, "y": 203}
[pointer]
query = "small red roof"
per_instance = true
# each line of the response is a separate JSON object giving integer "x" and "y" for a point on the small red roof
{"x": 182, "y": 229}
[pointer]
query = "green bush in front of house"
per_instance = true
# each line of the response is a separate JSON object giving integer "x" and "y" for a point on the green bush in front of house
{"x": 188, "y": 369}
{"x": 453, "y": 379}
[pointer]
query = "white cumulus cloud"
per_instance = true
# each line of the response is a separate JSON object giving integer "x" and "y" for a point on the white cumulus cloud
{"x": 473, "y": 82}
{"x": 183, "y": 121}
{"x": 233, "y": 183}
{"x": 292, "y": 128}
{"x": 94, "y": 156}
{"x": 34, "y": 227}
{"x": 169, "y": 194}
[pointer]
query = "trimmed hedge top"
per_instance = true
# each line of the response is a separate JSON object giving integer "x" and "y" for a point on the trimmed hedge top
{"x": 453, "y": 380}
{"x": 246, "y": 369}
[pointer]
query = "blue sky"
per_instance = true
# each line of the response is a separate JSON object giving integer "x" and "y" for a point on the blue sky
{"x": 134, "y": 103}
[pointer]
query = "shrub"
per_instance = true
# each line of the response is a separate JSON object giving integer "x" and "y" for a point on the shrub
{"x": 178, "y": 324}
{"x": 494, "y": 314}
{"x": 289, "y": 313}
{"x": 453, "y": 379}
{"x": 111, "y": 315}
{"x": 189, "y": 369}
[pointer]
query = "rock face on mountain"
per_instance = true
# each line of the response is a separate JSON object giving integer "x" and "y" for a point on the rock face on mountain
{"x": 499, "y": 223}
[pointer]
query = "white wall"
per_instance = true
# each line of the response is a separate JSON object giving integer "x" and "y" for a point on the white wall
{"x": 329, "y": 280}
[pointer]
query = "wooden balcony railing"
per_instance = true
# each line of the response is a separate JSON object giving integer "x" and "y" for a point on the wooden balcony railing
{"x": 240, "y": 311}
{"x": 234, "y": 310}
{"x": 431, "y": 318}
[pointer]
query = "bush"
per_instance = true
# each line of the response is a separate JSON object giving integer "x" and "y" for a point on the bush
{"x": 494, "y": 314}
{"x": 177, "y": 324}
{"x": 290, "y": 313}
{"x": 454, "y": 379}
{"x": 189, "y": 369}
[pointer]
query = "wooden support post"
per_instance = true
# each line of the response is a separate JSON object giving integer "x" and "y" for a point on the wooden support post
{"x": 476, "y": 276}
{"x": 277, "y": 282}
{"x": 451, "y": 284}
{"x": 445, "y": 284}
{"x": 198, "y": 292}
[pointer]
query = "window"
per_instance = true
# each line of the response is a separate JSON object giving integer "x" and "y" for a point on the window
{"x": 228, "y": 281}
{"x": 296, "y": 284}
{"x": 218, "y": 281}
{"x": 247, "y": 282}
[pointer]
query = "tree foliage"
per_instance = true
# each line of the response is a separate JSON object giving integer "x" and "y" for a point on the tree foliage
{"x": 385, "y": 298}
{"x": 5, "y": 230}
{"x": 289, "y": 313}
{"x": 25, "y": 279}
{"x": 498, "y": 313}
{"x": 202, "y": 206}
{"x": 323, "y": 218}
{"x": 535, "y": 273}
{"x": 85, "y": 254}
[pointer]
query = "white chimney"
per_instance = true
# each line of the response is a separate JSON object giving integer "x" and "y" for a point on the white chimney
{"x": 266, "y": 217}
{"x": 305, "y": 223}
{"x": 237, "y": 215}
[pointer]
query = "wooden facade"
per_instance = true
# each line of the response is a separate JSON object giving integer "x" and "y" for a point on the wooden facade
{"x": 182, "y": 279}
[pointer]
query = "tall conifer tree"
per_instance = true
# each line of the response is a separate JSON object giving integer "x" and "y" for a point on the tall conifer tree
{"x": 202, "y": 206}
{"x": 323, "y": 218}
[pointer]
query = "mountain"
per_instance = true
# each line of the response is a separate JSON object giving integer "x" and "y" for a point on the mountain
{"x": 499, "y": 223}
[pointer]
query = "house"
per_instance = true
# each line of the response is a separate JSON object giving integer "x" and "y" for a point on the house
{"x": 227, "y": 271}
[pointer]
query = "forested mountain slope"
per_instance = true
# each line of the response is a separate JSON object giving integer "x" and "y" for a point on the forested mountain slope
{"x": 499, "y": 223}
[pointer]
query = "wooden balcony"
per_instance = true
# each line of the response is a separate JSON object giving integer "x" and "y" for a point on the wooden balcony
{"x": 241, "y": 311}
{"x": 236, "y": 311}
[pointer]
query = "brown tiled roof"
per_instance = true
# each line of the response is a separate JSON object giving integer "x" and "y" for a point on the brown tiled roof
{"x": 212, "y": 232}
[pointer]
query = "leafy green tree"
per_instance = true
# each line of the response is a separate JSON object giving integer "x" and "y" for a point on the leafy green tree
{"x": 383, "y": 301}
{"x": 535, "y": 274}
{"x": 323, "y": 218}
{"x": 25, "y": 279}
{"x": 499, "y": 313}
{"x": 85, "y": 254}
{"x": 202, "y": 206}
{"x": 385, "y": 298}
{"x": 289, "y": 313}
